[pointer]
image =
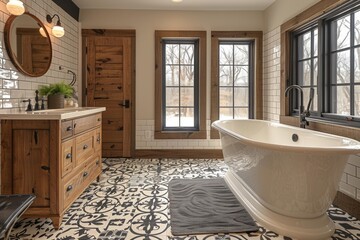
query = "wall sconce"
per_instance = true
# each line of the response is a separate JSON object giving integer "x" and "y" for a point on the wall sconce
{"x": 15, "y": 7}
{"x": 57, "y": 30}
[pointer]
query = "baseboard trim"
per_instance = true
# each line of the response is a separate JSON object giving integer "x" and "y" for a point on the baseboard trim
{"x": 347, "y": 204}
{"x": 178, "y": 153}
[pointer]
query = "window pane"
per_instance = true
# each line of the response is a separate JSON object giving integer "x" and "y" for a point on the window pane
{"x": 241, "y": 97}
{"x": 172, "y": 53}
{"x": 304, "y": 73}
{"x": 341, "y": 61}
{"x": 315, "y": 69}
{"x": 314, "y": 104}
{"x": 172, "y": 97}
{"x": 241, "y": 76}
{"x": 357, "y": 28}
{"x": 241, "y": 54}
{"x": 226, "y": 54}
{"x": 357, "y": 101}
{"x": 226, "y": 113}
{"x": 172, "y": 117}
{"x": 241, "y": 113}
{"x": 341, "y": 99}
{"x": 305, "y": 45}
{"x": 172, "y": 75}
{"x": 187, "y": 53}
{"x": 187, "y": 75}
{"x": 187, "y": 117}
{"x": 357, "y": 64}
{"x": 316, "y": 39}
{"x": 225, "y": 76}
{"x": 187, "y": 97}
{"x": 341, "y": 31}
{"x": 226, "y": 96}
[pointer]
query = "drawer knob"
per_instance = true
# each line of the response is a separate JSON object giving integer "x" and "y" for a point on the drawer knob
{"x": 85, "y": 174}
{"x": 69, "y": 188}
{"x": 69, "y": 128}
{"x": 98, "y": 139}
{"x": 85, "y": 146}
{"x": 68, "y": 155}
{"x": 99, "y": 119}
{"x": 97, "y": 162}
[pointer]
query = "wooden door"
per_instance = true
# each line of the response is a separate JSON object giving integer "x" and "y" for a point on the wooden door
{"x": 33, "y": 50}
{"x": 109, "y": 76}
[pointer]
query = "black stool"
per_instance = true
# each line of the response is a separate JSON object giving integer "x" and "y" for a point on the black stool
{"x": 11, "y": 208}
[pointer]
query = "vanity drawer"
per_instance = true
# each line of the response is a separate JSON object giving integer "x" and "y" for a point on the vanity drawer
{"x": 84, "y": 147}
{"x": 67, "y": 157}
{"x": 86, "y": 123}
{"x": 67, "y": 129}
{"x": 82, "y": 179}
{"x": 72, "y": 188}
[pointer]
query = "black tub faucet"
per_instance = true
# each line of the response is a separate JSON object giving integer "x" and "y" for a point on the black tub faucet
{"x": 302, "y": 113}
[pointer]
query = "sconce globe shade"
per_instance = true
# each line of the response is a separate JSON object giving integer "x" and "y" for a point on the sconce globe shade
{"x": 15, "y": 7}
{"x": 42, "y": 32}
{"x": 58, "y": 31}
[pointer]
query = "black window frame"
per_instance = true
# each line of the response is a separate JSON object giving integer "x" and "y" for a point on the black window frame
{"x": 324, "y": 94}
{"x": 251, "y": 100}
{"x": 196, "y": 127}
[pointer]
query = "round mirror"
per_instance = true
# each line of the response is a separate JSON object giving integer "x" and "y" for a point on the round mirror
{"x": 28, "y": 44}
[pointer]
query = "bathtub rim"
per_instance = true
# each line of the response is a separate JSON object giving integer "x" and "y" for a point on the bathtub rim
{"x": 347, "y": 149}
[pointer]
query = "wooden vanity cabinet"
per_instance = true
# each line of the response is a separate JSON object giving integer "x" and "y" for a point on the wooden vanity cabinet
{"x": 53, "y": 159}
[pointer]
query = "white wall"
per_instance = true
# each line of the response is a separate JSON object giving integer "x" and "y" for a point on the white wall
{"x": 145, "y": 22}
{"x": 277, "y": 14}
{"x": 15, "y": 86}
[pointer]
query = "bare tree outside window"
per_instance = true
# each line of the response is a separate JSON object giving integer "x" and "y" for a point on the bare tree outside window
{"x": 179, "y": 84}
{"x": 234, "y": 78}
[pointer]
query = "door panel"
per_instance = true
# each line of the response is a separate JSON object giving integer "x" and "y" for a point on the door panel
{"x": 109, "y": 84}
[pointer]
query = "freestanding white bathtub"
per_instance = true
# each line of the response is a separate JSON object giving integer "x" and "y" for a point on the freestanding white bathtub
{"x": 286, "y": 177}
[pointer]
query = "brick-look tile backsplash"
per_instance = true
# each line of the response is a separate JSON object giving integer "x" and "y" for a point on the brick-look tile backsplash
{"x": 350, "y": 181}
{"x": 14, "y": 86}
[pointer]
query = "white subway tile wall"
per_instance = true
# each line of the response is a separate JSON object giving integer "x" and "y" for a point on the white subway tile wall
{"x": 272, "y": 75}
{"x": 14, "y": 86}
{"x": 350, "y": 181}
{"x": 145, "y": 139}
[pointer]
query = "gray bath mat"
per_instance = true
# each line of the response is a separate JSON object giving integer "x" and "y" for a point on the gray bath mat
{"x": 199, "y": 206}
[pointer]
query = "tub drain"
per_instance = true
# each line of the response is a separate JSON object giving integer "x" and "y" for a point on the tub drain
{"x": 295, "y": 137}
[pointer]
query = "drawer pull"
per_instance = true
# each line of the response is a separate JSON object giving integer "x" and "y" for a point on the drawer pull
{"x": 68, "y": 155}
{"x": 97, "y": 162}
{"x": 85, "y": 146}
{"x": 85, "y": 174}
{"x": 69, "y": 188}
{"x": 69, "y": 128}
{"x": 98, "y": 139}
{"x": 99, "y": 119}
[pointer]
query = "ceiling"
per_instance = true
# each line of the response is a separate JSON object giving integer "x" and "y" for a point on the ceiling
{"x": 169, "y": 5}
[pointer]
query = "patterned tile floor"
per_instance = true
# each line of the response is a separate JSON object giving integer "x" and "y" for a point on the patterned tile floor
{"x": 131, "y": 202}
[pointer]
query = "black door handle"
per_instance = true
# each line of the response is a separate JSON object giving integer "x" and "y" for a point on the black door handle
{"x": 125, "y": 103}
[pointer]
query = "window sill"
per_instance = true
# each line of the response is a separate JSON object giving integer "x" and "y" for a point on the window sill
{"x": 324, "y": 126}
{"x": 180, "y": 135}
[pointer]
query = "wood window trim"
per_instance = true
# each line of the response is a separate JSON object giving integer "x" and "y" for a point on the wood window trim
{"x": 216, "y": 36}
{"x": 303, "y": 18}
{"x": 159, "y": 134}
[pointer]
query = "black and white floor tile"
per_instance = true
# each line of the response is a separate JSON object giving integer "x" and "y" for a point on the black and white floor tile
{"x": 131, "y": 202}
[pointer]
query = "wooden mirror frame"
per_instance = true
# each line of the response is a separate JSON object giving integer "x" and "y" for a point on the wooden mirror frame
{"x": 13, "y": 57}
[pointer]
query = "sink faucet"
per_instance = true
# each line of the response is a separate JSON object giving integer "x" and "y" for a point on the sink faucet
{"x": 302, "y": 113}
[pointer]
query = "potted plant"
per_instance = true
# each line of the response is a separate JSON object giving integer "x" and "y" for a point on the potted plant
{"x": 55, "y": 94}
